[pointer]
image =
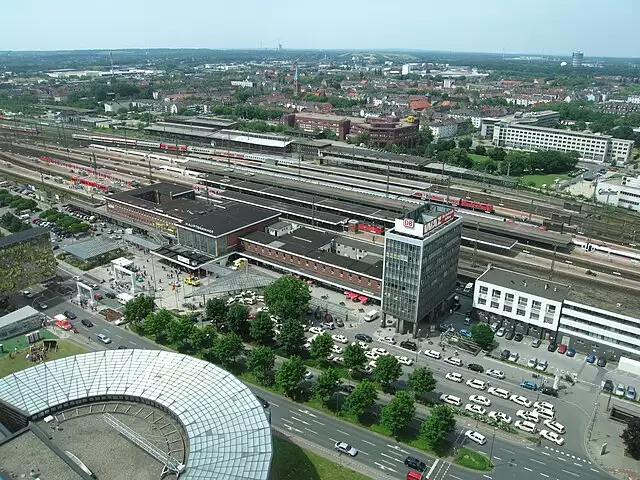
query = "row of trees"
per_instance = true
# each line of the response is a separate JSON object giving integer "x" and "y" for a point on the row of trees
{"x": 66, "y": 221}
{"x": 12, "y": 223}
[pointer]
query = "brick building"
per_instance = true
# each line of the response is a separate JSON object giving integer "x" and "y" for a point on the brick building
{"x": 311, "y": 122}
{"x": 383, "y": 131}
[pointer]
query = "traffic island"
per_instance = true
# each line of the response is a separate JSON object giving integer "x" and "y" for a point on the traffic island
{"x": 473, "y": 460}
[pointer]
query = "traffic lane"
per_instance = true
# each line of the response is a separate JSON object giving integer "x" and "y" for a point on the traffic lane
{"x": 379, "y": 453}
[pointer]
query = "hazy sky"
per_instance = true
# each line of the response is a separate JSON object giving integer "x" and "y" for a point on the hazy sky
{"x": 596, "y": 27}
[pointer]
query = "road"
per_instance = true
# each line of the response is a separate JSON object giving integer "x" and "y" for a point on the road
{"x": 386, "y": 456}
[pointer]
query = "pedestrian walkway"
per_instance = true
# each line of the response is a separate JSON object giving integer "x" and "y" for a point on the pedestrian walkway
{"x": 568, "y": 455}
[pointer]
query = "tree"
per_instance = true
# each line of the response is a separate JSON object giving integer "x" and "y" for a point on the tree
{"x": 157, "y": 323}
{"x": 387, "y": 370}
{"x": 287, "y": 297}
{"x": 360, "y": 399}
{"x": 326, "y": 385}
{"x": 398, "y": 413}
{"x": 260, "y": 362}
{"x": 482, "y": 334}
{"x": 292, "y": 336}
{"x": 290, "y": 374}
{"x": 421, "y": 381}
{"x": 498, "y": 154}
{"x": 440, "y": 423}
{"x": 465, "y": 143}
{"x": 480, "y": 150}
{"x": 227, "y": 348}
{"x": 354, "y": 357}
{"x": 631, "y": 438}
{"x": 237, "y": 319}
{"x": 137, "y": 309}
{"x": 179, "y": 331}
{"x": 198, "y": 338}
{"x": 261, "y": 329}
{"x": 216, "y": 311}
{"x": 321, "y": 346}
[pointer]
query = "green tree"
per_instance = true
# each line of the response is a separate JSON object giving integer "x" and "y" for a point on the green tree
{"x": 198, "y": 339}
{"x": 362, "y": 397}
{"x": 387, "y": 370}
{"x": 440, "y": 423}
{"x": 261, "y": 329}
{"x": 465, "y": 143}
{"x": 157, "y": 323}
{"x": 216, "y": 311}
{"x": 137, "y": 309}
{"x": 227, "y": 348}
{"x": 498, "y": 154}
{"x": 287, "y": 297}
{"x": 482, "y": 334}
{"x": 397, "y": 415}
{"x": 631, "y": 438}
{"x": 326, "y": 385}
{"x": 260, "y": 362}
{"x": 354, "y": 357}
{"x": 421, "y": 381}
{"x": 237, "y": 319}
{"x": 290, "y": 374}
{"x": 179, "y": 331}
{"x": 291, "y": 337}
{"x": 321, "y": 346}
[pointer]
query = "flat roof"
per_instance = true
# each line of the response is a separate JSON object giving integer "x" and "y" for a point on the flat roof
{"x": 525, "y": 283}
{"x": 229, "y": 435}
{"x": 374, "y": 248}
{"x": 180, "y": 130}
{"x": 244, "y": 137}
{"x": 172, "y": 252}
{"x": 485, "y": 238}
{"x": 17, "y": 315}
{"x": 211, "y": 121}
{"x": 90, "y": 248}
{"x": 322, "y": 116}
{"x": 22, "y": 236}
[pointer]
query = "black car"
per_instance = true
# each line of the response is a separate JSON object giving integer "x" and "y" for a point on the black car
{"x": 70, "y": 315}
{"x": 475, "y": 367}
{"x": 122, "y": 347}
{"x": 339, "y": 323}
{"x": 549, "y": 391}
{"x": 110, "y": 295}
{"x": 363, "y": 337}
{"x": 416, "y": 464}
{"x": 552, "y": 347}
{"x": 505, "y": 354}
{"x": 347, "y": 388}
{"x": 608, "y": 386}
{"x": 509, "y": 335}
{"x": 263, "y": 402}
{"x": 409, "y": 345}
{"x": 86, "y": 322}
{"x": 518, "y": 337}
{"x": 601, "y": 362}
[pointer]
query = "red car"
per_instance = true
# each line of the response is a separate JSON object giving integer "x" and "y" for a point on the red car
{"x": 562, "y": 349}
{"x": 98, "y": 296}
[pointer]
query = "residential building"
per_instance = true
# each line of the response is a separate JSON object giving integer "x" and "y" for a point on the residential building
{"x": 420, "y": 266}
{"x": 444, "y": 130}
{"x": 518, "y": 302}
{"x": 591, "y": 147}
{"x": 316, "y": 122}
{"x": 383, "y": 131}
{"x": 622, "y": 192}
{"x": 242, "y": 83}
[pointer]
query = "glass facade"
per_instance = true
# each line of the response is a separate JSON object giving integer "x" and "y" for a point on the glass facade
{"x": 197, "y": 241}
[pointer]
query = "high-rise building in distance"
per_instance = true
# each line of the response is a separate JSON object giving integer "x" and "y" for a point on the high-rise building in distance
{"x": 576, "y": 59}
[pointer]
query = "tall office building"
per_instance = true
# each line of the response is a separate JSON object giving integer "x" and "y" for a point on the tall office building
{"x": 420, "y": 266}
{"x": 576, "y": 59}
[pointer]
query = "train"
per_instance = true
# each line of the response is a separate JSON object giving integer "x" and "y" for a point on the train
{"x": 18, "y": 128}
{"x": 365, "y": 227}
{"x": 254, "y": 157}
{"x": 90, "y": 183}
{"x": 456, "y": 202}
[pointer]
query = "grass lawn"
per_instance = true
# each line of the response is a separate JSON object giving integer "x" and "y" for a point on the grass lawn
{"x": 540, "y": 180}
{"x": 477, "y": 158}
{"x": 472, "y": 459}
{"x": 20, "y": 341}
{"x": 291, "y": 462}
{"x": 10, "y": 365}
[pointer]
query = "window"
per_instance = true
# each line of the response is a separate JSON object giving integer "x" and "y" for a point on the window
{"x": 484, "y": 290}
{"x": 494, "y": 304}
{"x": 520, "y": 312}
{"x": 496, "y": 293}
{"x": 482, "y": 301}
{"x": 507, "y": 308}
{"x": 509, "y": 298}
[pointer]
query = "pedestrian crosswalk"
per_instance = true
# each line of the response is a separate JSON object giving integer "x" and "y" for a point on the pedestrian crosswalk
{"x": 568, "y": 455}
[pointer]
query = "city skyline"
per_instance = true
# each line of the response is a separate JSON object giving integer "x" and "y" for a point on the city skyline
{"x": 553, "y": 28}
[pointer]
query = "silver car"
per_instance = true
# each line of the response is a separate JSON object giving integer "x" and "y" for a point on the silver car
{"x": 344, "y": 447}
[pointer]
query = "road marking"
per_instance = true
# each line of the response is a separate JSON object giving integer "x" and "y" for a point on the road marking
{"x": 344, "y": 433}
{"x": 578, "y": 464}
{"x": 531, "y": 448}
{"x": 301, "y": 421}
{"x": 508, "y": 451}
{"x": 544, "y": 474}
{"x": 286, "y": 420}
{"x": 316, "y": 421}
{"x": 528, "y": 469}
{"x": 383, "y": 467}
{"x": 594, "y": 470}
{"x": 497, "y": 458}
{"x": 372, "y": 444}
{"x": 275, "y": 405}
{"x": 306, "y": 412}
{"x": 433, "y": 467}
{"x": 563, "y": 459}
{"x": 393, "y": 465}
{"x": 389, "y": 456}
{"x": 487, "y": 476}
{"x": 132, "y": 343}
{"x": 537, "y": 461}
{"x": 571, "y": 473}
{"x": 396, "y": 447}
{"x": 309, "y": 430}
{"x": 453, "y": 476}
{"x": 121, "y": 338}
{"x": 546, "y": 453}
{"x": 397, "y": 453}
{"x": 364, "y": 453}
{"x": 333, "y": 440}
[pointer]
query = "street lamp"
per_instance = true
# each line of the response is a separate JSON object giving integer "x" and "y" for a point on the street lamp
{"x": 495, "y": 430}
{"x": 418, "y": 344}
{"x": 209, "y": 346}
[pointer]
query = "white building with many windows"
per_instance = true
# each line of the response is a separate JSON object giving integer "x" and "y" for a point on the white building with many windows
{"x": 622, "y": 192}
{"x": 591, "y": 147}
{"x": 521, "y": 303}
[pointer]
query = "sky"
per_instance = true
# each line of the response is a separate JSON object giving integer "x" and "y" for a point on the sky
{"x": 548, "y": 27}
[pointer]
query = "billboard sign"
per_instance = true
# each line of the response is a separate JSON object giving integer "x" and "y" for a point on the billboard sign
{"x": 408, "y": 223}
{"x": 439, "y": 220}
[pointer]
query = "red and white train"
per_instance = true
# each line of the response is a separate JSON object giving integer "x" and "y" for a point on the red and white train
{"x": 456, "y": 202}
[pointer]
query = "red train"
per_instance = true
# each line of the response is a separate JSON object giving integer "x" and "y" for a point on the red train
{"x": 456, "y": 202}
{"x": 89, "y": 183}
{"x": 365, "y": 227}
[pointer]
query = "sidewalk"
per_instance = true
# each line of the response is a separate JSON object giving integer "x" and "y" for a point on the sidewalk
{"x": 604, "y": 430}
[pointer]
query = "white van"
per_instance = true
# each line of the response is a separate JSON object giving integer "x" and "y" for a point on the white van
{"x": 371, "y": 316}
{"x": 450, "y": 399}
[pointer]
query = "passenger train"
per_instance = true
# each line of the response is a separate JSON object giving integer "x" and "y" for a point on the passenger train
{"x": 456, "y": 202}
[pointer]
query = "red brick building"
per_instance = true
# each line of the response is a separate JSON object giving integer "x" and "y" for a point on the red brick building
{"x": 311, "y": 122}
{"x": 388, "y": 130}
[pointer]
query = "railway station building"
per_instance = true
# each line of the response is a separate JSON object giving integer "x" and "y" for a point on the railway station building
{"x": 420, "y": 265}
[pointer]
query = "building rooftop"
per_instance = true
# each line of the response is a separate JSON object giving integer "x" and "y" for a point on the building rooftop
{"x": 229, "y": 435}
{"x": 91, "y": 248}
{"x": 264, "y": 140}
{"x": 322, "y": 116}
{"x": 17, "y": 315}
{"x": 23, "y": 236}
{"x": 525, "y": 283}
{"x": 373, "y": 248}
{"x": 203, "y": 121}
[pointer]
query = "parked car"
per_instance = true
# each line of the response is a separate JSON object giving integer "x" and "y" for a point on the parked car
{"x": 536, "y": 343}
{"x": 602, "y": 362}
{"x": 501, "y": 331}
{"x": 110, "y": 295}
{"x": 363, "y": 337}
{"x": 590, "y": 358}
{"x": 529, "y": 385}
{"x": 631, "y": 392}
{"x": 549, "y": 391}
{"x": 509, "y": 335}
{"x": 465, "y": 333}
{"x": 409, "y": 345}
{"x": 552, "y": 347}
{"x": 518, "y": 337}
{"x": 505, "y": 354}
{"x": 492, "y": 372}
{"x": 562, "y": 349}
{"x": 453, "y": 361}
{"x": 475, "y": 367}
